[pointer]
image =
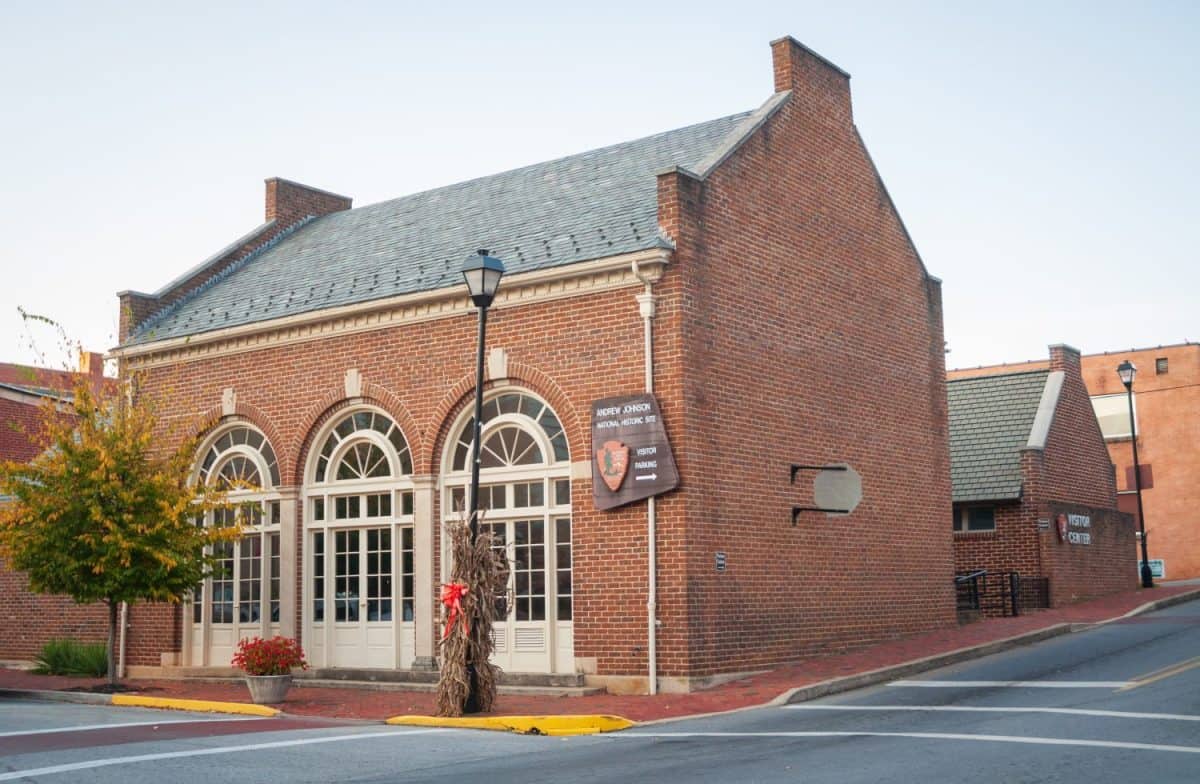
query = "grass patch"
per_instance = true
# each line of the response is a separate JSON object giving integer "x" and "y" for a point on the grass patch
{"x": 71, "y": 657}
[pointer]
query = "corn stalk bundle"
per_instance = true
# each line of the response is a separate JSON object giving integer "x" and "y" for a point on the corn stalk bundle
{"x": 468, "y": 638}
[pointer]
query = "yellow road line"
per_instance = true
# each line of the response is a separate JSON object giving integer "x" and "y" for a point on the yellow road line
{"x": 1165, "y": 672}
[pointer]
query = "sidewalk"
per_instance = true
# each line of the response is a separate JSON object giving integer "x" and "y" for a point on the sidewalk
{"x": 812, "y": 676}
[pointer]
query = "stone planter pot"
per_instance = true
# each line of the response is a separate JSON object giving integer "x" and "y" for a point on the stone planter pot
{"x": 268, "y": 689}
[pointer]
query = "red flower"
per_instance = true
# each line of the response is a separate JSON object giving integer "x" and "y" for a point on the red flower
{"x": 276, "y": 656}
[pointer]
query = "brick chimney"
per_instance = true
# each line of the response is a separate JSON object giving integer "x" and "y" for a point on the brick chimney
{"x": 91, "y": 364}
{"x": 1066, "y": 359}
{"x": 818, "y": 86}
{"x": 288, "y": 202}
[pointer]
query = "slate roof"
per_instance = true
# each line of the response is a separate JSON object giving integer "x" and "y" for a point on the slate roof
{"x": 36, "y": 390}
{"x": 587, "y": 206}
{"x": 990, "y": 421}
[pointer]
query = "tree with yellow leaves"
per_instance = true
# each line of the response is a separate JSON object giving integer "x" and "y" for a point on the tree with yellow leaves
{"x": 104, "y": 513}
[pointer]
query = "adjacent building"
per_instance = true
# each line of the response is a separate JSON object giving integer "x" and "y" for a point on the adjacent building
{"x": 1035, "y": 504}
{"x": 29, "y": 620}
{"x": 1166, "y": 399}
{"x": 1166, "y": 404}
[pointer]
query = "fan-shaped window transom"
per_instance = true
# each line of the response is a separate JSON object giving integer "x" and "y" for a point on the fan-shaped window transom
{"x": 506, "y": 447}
{"x": 239, "y": 470}
{"x": 363, "y": 460}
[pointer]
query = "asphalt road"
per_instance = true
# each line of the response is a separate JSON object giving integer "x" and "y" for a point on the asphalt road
{"x": 1115, "y": 704}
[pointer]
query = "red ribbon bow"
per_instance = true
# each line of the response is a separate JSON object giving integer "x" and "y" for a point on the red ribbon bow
{"x": 452, "y": 596}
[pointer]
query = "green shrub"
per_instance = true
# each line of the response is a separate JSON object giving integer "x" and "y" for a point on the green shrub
{"x": 71, "y": 657}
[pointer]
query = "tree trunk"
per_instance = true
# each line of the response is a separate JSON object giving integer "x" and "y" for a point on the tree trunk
{"x": 112, "y": 641}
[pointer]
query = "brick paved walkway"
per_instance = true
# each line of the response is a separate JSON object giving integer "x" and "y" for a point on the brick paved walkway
{"x": 366, "y": 702}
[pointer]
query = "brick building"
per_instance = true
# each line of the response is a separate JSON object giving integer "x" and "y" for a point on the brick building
{"x": 1166, "y": 395}
{"x": 24, "y": 391}
{"x": 751, "y": 269}
{"x": 1034, "y": 492}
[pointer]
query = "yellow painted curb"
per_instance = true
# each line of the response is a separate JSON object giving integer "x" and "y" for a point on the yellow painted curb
{"x": 526, "y": 725}
{"x": 204, "y": 706}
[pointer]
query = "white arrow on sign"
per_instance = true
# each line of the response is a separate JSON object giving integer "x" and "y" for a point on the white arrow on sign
{"x": 645, "y": 476}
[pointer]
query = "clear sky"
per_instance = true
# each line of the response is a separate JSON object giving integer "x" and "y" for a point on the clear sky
{"x": 1043, "y": 155}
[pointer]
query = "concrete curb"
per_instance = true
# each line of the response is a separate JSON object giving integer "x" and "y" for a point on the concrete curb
{"x": 199, "y": 706}
{"x": 1159, "y": 604}
{"x": 49, "y": 695}
{"x": 873, "y": 677}
{"x": 524, "y": 725}
{"x": 133, "y": 701}
{"x": 896, "y": 671}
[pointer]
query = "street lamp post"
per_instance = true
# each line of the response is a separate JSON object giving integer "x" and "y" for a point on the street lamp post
{"x": 482, "y": 274}
{"x": 1126, "y": 371}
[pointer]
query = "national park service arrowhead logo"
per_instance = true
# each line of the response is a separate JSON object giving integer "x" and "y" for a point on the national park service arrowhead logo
{"x": 613, "y": 460}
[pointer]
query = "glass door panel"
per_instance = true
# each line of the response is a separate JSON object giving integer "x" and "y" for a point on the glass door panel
{"x": 345, "y": 576}
{"x": 363, "y": 632}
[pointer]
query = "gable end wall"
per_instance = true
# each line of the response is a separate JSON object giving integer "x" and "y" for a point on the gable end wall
{"x": 811, "y": 335}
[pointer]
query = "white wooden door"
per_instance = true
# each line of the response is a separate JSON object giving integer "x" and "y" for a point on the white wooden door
{"x": 524, "y": 640}
{"x": 362, "y": 600}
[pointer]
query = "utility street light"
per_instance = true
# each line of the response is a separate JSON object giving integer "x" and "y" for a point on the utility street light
{"x": 1126, "y": 371}
{"x": 482, "y": 274}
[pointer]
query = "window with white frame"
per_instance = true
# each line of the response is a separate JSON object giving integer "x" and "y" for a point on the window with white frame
{"x": 1112, "y": 412}
{"x": 360, "y": 504}
{"x": 525, "y": 491}
{"x": 244, "y": 584}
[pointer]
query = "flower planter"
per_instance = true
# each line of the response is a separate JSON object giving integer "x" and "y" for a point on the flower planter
{"x": 268, "y": 689}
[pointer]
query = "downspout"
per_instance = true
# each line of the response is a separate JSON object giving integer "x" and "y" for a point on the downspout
{"x": 646, "y": 305}
{"x": 121, "y": 644}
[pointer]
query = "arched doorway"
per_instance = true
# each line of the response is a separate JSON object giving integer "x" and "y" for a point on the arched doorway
{"x": 525, "y": 490}
{"x": 242, "y": 597}
{"x": 358, "y": 590}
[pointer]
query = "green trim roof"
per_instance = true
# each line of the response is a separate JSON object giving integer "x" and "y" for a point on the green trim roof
{"x": 990, "y": 421}
{"x": 592, "y": 205}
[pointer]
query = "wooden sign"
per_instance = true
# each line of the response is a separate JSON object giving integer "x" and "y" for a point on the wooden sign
{"x": 631, "y": 458}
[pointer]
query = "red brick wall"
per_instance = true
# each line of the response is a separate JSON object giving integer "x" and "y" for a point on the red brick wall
{"x": 1078, "y": 468}
{"x": 811, "y": 334}
{"x": 569, "y": 352}
{"x": 20, "y": 424}
{"x": 1012, "y": 547}
{"x": 28, "y": 621}
{"x": 288, "y": 202}
{"x": 1078, "y": 477}
{"x": 1168, "y": 441}
{"x": 1105, "y": 565}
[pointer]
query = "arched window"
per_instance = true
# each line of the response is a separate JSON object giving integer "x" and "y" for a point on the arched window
{"x": 360, "y": 543}
{"x": 525, "y": 493}
{"x": 241, "y": 596}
